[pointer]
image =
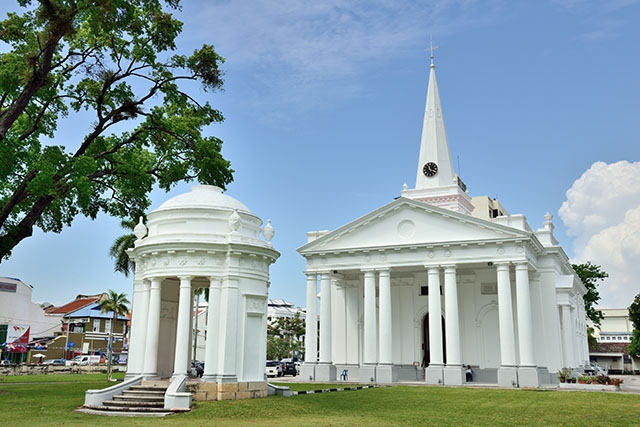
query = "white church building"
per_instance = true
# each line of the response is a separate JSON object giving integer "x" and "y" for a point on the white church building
{"x": 436, "y": 280}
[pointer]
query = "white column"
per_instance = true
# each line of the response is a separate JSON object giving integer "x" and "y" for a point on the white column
{"x": 435, "y": 370}
{"x": 566, "y": 335}
{"x": 213, "y": 325}
{"x": 507, "y": 372}
{"x": 370, "y": 327}
{"x": 435, "y": 317}
{"x": 525, "y": 322}
{"x": 453, "y": 372}
{"x": 325, "y": 318}
{"x": 311, "y": 322}
{"x": 325, "y": 369}
{"x": 386, "y": 329}
{"x": 505, "y": 312}
{"x": 452, "y": 317}
{"x": 138, "y": 333}
{"x": 228, "y": 353}
{"x": 181, "y": 359}
{"x": 153, "y": 328}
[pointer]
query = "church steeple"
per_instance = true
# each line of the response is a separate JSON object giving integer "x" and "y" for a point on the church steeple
{"x": 434, "y": 147}
{"x": 436, "y": 182}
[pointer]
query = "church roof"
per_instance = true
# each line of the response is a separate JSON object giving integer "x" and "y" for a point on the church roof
{"x": 406, "y": 222}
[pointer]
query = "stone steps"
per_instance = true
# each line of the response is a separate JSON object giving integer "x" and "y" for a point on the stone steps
{"x": 145, "y": 399}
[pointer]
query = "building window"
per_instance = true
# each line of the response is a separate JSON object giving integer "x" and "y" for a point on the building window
{"x": 107, "y": 325}
{"x": 96, "y": 325}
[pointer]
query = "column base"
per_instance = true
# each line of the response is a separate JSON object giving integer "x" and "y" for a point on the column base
{"x": 435, "y": 374}
{"x": 219, "y": 378}
{"x": 507, "y": 376}
{"x": 385, "y": 374}
{"x": 454, "y": 375}
{"x": 308, "y": 371}
{"x": 151, "y": 376}
{"x": 528, "y": 376}
{"x": 325, "y": 372}
{"x": 368, "y": 373}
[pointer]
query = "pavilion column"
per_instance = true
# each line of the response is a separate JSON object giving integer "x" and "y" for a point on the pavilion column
{"x": 384, "y": 371}
{"x": 507, "y": 374}
{"x": 228, "y": 337}
{"x": 153, "y": 329}
{"x": 213, "y": 324}
{"x": 434, "y": 374}
{"x": 527, "y": 371}
{"x": 567, "y": 337}
{"x": 453, "y": 372}
{"x": 181, "y": 358}
{"x": 325, "y": 370}
{"x": 138, "y": 333}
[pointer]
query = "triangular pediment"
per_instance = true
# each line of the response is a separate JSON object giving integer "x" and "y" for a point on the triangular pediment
{"x": 405, "y": 222}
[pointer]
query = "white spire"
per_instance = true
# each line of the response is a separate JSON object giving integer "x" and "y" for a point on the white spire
{"x": 434, "y": 147}
{"x": 436, "y": 182}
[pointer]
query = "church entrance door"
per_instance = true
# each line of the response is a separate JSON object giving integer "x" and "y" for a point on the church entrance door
{"x": 426, "y": 358}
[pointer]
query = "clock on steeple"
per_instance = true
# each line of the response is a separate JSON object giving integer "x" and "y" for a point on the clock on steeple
{"x": 430, "y": 169}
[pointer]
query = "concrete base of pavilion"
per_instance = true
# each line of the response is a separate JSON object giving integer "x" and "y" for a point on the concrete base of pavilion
{"x": 209, "y": 390}
{"x": 368, "y": 374}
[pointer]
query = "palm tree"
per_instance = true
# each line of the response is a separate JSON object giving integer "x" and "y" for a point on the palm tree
{"x": 118, "y": 251}
{"x": 118, "y": 304}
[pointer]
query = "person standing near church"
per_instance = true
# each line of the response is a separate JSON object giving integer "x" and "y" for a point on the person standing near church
{"x": 469, "y": 373}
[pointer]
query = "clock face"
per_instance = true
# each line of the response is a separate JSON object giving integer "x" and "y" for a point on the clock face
{"x": 430, "y": 169}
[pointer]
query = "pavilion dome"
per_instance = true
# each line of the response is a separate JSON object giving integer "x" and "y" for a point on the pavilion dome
{"x": 203, "y": 197}
{"x": 205, "y": 214}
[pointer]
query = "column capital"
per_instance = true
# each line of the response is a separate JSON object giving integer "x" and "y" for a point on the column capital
{"x": 521, "y": 265}
{"x": 384, "y": 271}
{"x": 311, "y": 273}
{"x": 449, "y": 268}
{"x": 189, "y": 278}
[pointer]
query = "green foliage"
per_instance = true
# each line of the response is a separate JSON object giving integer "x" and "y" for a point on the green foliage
{"x": 634, "y": 316}
{"x": 283, "y": 336}
{"x": 118, "y": 250}
{"x": 590, "y": 274}
{"x": 119, "y": 305}
{"x": 106, "y": 66}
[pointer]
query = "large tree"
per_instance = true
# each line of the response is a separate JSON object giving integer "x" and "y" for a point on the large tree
{"x": 109, "y": 68}
{"x": 634, "y": 316}
{"x": 283, "y": 337}
{"x": 118, "y": 305}
{"x": 591, "y": 274}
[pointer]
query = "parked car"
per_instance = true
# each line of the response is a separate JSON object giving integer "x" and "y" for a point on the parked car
{"x": 84, "y": 359}
{"x": 288, "y": 367}
{"x": 273, "y": 369}
{"x": 55, "y": 362}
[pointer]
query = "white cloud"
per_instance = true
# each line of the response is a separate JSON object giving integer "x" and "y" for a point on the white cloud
{"x": 602, "y": 212}
{"x": 295, "y": 46}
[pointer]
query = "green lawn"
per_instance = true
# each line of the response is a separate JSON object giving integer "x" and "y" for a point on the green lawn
{"x": 51, "y": 401}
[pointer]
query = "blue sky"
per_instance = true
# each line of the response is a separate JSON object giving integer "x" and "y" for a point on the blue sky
{"x": 324, "y": 103}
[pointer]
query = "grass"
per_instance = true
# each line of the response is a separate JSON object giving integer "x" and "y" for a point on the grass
{"x": 52, "y": 400}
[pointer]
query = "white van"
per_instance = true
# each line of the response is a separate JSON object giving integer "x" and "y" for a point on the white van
{"x": 85, "y": 359}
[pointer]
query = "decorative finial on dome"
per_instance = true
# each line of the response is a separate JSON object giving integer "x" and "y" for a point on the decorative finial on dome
{"x": 268, "y": 232}
{"x": 140, "y": 230}
{"x": 405, "y": 186}
{"x": 234, "y": 221}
